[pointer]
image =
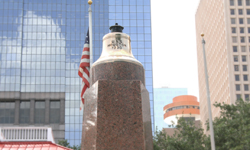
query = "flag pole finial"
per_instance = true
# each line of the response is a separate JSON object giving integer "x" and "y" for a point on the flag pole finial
{"x": 90, "y": 2}
{"x": 202, "y": 34}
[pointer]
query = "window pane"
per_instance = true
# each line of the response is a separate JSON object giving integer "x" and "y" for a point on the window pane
{"x": 231, "y": 2}
{"x": 237, "y": 86}
{"x": 234, "y": 39}
{"x": 233, "y": 30}
{"x": 248, "y": 11}
{"x": 232, "y": 11}
{"x": 54, "y": 112}
{"x": 24, "y": 115}
{"x": 244, "y": 67}
{"x": 239, "y": 2}
{"x": 248, "y": 2}
{"x": 235, "y": 49}
{"x": 241, "y": 21}
{"x": 245, "y": 77}
{"x": 244, "y": 58}
{"x": 241, "y": 30}
{"x": 246, "y": 97}
{"x": 7, "y": 112}
{"x": 246, "y": 87}
{"x": 40, "y": 112}
{"x": 243, "y": 48}
{"x": 236, "y": 67}
{"x": 240, "y": 11}
{"x": 238, "y": 96}
{"x": 233, "y": 20}
{"x": 237, "y": 77}
{"x": 242, "y": 39}
{"x": 235, "y": 58}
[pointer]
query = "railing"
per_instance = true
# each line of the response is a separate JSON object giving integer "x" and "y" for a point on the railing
{"x": 26, "y": 134}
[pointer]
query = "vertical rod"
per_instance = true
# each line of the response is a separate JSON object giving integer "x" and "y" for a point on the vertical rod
{"x": 90, "y": 34}
{"x": 208, "y": 97}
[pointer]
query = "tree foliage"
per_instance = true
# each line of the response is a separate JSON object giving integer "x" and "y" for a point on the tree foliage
{"x": 231, "y": 131}
{"x": 186, "y": 136}
{"x": 65, "y": 143}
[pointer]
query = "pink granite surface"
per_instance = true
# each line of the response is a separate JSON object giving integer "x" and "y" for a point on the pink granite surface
{"x": 117, "y": 116}
{"x": 118, "y": 70}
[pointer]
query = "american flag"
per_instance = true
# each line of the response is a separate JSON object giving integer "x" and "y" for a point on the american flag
{"x": 83, "y": 71}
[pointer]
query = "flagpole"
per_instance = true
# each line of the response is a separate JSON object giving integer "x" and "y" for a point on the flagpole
{"x": 90, "y": 34}
{"x": 211, "y": 128}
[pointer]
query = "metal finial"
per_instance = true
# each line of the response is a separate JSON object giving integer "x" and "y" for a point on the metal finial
{"x": 90, "y": 2}
{"x": 202, "y": 34}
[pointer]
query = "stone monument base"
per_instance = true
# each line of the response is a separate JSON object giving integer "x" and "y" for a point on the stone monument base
{"x": 117, "y": 116}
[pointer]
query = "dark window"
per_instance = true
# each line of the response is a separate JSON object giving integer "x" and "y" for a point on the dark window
{"x": 234, "y": 39}
{"x": 237, "y": 86}
{"x": 240, "y": 11}
{"x": 231, "y": 2}
{"x": 244, "y": 67}
{"x": 40, "y": 112}
{"x": 243, "y": 48}
{"x": 233, "y": 30}
{"x": 248, "y": 2}
{"x": 246, "y": 87}
{"x": 236, "y": 58}
{"x": 232, "y": 11}
{"x": 241, "y": 30}
{"x": 233, "y": 20}
{"x": 248, "y": 11}
{"x": 245, "y": 77}
{"x": 7, "y": 112}
{"x": 236, "y": 67}
{"x": 235, "y": 49}
{"x": 248, "y": 30}
{"x": 239, "y": 2}
{"x": 54, "y": 113}
{"x": 249, "y": 39}
{"x": 242, "y": 39}
{"x": 244, "y": 58}
{"x": 237, "y": 77}
{"x": 24, "y": 115}
{"x": 241, "y": 21}
{"x": 246, "y": 97}
{"x": 238, "y": 96}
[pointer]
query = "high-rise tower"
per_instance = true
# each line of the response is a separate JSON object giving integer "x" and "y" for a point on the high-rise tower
{"x": 226, "y": 25}
{"x": 41, "y": 42}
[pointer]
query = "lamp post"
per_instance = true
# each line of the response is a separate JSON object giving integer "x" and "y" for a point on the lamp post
{"x": 208, "y": 96}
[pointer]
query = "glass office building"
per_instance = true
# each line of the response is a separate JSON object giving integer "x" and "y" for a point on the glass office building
{"x": 41, "y": 42}
{"x": 162, "y": 97}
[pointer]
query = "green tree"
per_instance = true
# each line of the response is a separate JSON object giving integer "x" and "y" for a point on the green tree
{"x": 186, "y": 136}
{"x": 65, "y": 143}
{"x": 232, "y": 128}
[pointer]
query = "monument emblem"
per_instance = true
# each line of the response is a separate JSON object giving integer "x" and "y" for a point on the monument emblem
{"x": 117, "y": 43}
{"x": 116, "y": 108}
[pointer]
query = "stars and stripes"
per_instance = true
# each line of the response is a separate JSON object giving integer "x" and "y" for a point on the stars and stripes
{"x": 83, "y": 71}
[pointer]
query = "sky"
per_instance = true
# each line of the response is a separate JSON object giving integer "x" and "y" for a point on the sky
{"x": 174, "y": 44}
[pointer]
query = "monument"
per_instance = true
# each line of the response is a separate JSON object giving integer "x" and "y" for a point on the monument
{"x": 116, "y": 108}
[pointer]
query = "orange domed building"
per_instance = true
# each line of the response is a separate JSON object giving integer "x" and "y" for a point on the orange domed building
{"x": 185, "y": 106}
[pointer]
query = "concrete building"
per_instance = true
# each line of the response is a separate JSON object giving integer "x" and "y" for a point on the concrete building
{"x": 41, "y": 43}
{"x": 226, "y": 25}
{"x": 184, "y": 106}
{"x": 162, "y": 97}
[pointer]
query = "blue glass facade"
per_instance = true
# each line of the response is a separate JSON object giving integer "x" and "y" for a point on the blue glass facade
{"x": 162, "y": 97}
{"x": 41, "y": 42}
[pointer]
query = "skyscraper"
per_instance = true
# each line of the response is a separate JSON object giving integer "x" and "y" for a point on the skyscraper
{"x": 41, "y": 43}
{"x": 162, "y": 97}
{"x": 226, "y": 25}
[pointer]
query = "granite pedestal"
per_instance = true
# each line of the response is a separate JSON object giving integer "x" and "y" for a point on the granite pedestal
{"x": 117, "y": 116}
